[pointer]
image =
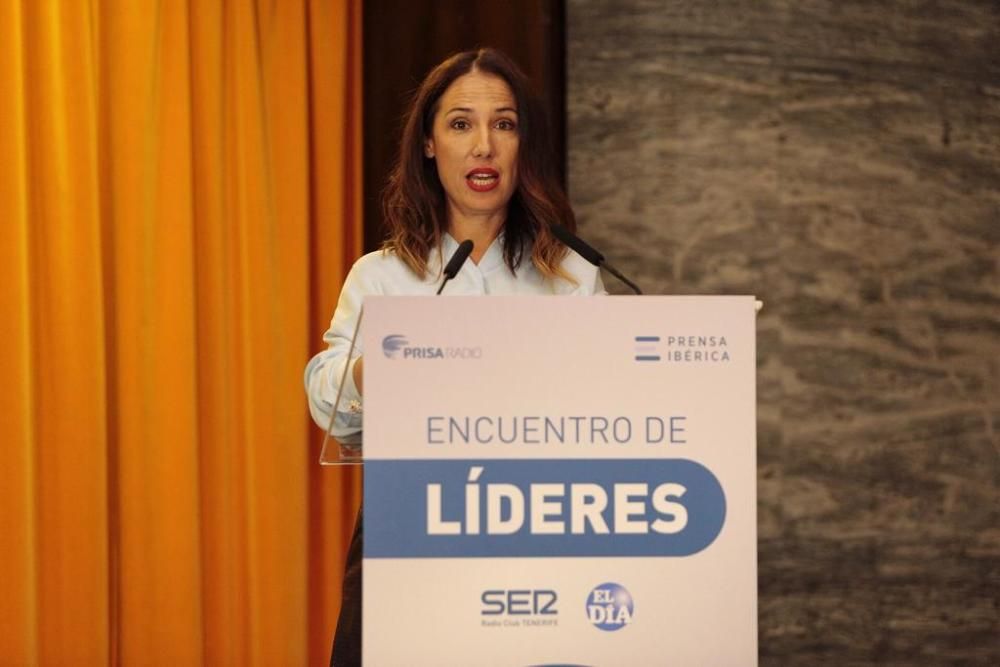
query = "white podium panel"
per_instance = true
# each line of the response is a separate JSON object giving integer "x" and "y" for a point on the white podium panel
{"x": 553, "y": 480}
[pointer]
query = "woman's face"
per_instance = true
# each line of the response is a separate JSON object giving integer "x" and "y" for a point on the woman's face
{"x": 474, "y": 142}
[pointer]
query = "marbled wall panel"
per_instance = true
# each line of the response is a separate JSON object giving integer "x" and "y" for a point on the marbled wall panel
{"x": 841, "y": 160}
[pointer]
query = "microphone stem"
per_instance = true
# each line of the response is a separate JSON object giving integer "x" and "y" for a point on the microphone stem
{"x": 617, "y": 274}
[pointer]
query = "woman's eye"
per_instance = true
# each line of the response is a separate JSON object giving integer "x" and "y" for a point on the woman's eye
{"x": 506, "y": 124}
{"x": 460, "y": 124}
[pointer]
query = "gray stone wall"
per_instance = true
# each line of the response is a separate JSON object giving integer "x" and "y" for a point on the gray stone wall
{"x": 841, "y": 160}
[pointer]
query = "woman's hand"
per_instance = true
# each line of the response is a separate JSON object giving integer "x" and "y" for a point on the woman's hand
{"x": 358, "y": 373}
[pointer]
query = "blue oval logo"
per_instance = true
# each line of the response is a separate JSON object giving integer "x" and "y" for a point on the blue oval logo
{"x": 610, "y": 607}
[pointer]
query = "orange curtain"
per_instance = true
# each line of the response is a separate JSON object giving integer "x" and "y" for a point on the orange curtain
{"x": 179, "y": 203}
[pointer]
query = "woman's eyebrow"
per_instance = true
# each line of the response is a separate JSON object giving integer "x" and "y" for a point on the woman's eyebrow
{"x": 469, "y": 110}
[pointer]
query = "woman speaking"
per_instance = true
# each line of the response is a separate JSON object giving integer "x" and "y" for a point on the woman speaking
{"x": 474, "y": 164}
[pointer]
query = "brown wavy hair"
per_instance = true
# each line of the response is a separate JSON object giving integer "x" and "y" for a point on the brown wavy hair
{"x": 414, "y": 205}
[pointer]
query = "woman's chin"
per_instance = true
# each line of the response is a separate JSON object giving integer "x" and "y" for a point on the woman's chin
{"x": 480, "y": 205}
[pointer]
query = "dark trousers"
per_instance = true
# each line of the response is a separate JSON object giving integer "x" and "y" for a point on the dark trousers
{"x": 347, "y": 640}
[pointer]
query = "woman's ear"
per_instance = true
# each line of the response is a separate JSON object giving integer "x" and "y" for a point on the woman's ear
{"x": 429, "y": 148}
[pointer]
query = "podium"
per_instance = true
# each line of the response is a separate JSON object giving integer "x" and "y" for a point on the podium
{"x": 553, "y": 480}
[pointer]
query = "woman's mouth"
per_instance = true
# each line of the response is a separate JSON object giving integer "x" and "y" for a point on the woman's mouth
{"x": 482, "y": 179}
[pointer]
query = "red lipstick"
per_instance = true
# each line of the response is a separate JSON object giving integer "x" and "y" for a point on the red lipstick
{"x": 483, "y": 179}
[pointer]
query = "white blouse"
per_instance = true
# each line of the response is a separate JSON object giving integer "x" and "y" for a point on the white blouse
{"x": 385, "y": 273}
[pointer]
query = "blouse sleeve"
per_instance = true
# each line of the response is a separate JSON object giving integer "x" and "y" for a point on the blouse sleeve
{"x": 324, "y": 371}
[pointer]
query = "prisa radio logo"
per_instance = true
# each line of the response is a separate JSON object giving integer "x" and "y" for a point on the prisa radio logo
{"x": 396, "y": 346}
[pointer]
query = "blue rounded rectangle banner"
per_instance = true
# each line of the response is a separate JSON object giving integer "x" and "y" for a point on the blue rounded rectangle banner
{"x": 540, "y": 507}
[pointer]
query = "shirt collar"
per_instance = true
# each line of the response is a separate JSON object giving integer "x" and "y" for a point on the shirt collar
{"x": 491, "y": 260}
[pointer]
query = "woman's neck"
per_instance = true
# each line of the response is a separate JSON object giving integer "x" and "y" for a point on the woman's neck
{"x": 481, "y": 231}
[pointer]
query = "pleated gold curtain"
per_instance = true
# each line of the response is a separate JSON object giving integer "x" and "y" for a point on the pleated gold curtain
{"x": 179, "y": 202}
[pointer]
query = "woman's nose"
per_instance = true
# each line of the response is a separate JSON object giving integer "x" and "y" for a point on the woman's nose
{"x": 484, "y": 143}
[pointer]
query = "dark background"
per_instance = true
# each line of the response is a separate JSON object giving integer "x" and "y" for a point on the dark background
{"x": 840, "y": 160}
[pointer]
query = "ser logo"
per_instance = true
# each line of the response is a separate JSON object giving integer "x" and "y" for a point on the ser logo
{"x": 521, "y": 602}
{"x": 610, "y": 607}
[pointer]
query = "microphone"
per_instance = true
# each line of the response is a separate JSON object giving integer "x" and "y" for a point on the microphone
{"x": 455, "y": 263}
{"x": 589, "y": 253}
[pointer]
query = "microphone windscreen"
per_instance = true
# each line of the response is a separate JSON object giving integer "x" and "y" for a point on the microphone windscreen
{"x": 458, "y": 259}
{"x": 581, "y": 247}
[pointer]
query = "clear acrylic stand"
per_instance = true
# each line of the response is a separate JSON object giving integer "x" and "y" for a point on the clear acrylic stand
{"x": 334, "y": 452}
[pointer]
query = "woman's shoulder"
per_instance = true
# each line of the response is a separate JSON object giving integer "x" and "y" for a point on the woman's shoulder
{"x": 383, "y": 271}
{"x": 376, "y": 261}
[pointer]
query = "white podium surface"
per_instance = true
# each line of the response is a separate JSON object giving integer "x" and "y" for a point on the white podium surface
{"x": 560, "y": 481}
